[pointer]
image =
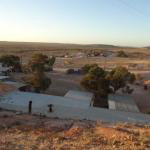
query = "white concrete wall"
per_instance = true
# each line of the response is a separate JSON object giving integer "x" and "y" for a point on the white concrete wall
{"x": 64, "y": 111}
{"x": 94, "y": 114}
{"x": 23, "y": 98}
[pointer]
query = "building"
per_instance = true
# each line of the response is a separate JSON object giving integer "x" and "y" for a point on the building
{"x": 122, "y": 102}
{"x": 4, "y": 71}
{"x": 66, "y": 108}
{"x": 63, "y": 107}
{"x": 85, "y": 97}
{"x": 74, "y": 105}
{"x": 4, "y": 78}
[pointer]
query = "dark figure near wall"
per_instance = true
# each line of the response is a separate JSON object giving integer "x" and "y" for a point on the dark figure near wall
{"x": 50, "y": 106}
{"x": 145, "y": 87}
{"x": 30, "y": 107}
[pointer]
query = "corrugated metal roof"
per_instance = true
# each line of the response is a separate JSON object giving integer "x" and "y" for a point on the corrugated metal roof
{"x": 66, "y": 112}
{"x": 23, "y": 98}
{"x": 4, "y": 77}
{"x": 15, "y": 84}
{"x": 85, "y": 96}
{"x": 122, "y": 102}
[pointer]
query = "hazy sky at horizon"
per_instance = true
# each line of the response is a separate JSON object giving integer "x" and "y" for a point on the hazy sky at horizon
{"x": 118, "y": 22}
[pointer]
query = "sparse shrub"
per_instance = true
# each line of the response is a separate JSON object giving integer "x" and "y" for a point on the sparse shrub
{"x": 5, "y": 116}
{"x": 25, "y": 69}
{"x": 70, "y": 71}
{"x": 121, "y": 54}
{"x": 138, "y": 77}
{"x": 85, "y": 69}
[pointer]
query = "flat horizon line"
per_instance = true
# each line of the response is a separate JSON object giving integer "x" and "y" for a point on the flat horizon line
{"x": 71, "y": 43}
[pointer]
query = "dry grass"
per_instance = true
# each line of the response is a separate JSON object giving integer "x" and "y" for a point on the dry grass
{"x": 26, "y": 50}
{"x": 32, "y": 133}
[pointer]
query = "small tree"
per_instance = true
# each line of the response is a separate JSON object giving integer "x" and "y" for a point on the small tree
{"x": 40, "y": 62}
{"x": 51, "y": 61}
{"x": 37, "y": 62}
{"x": 95, "y": 81}
{"x": 11, "y": 61}
{"x": 49, "y": 64}
{"x": 38, "y": 81}
{"x": 139, "y": 77}
{"x": 98, "y": 81}
{"x": 119, "y": 77}
{"x": 132, "y": 78}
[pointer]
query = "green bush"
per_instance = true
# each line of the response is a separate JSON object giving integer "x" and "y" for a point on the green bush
{"x": 85, "y": 69}
{"x": 38, "y": 81}
{"x": 11, "y": 61}
{"x": 122, "y": 54}
{"x": 40, "y": 62}
{"x": 99, "y": 81}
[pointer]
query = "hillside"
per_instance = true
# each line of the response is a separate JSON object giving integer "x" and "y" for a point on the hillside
{"x": 32, "y": 132}
{"x": 48, "y": 46}
{"x": 147, "y": 47}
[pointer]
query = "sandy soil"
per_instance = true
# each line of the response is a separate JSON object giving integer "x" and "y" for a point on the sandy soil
{"x": 62, "y": 83}
{"x": 32, "y": 132}
{"x": 107, "y": 62}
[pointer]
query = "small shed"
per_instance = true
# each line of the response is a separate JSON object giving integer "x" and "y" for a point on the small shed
{"x": 122, "y": 102}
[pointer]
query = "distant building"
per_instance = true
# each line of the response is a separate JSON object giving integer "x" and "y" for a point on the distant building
{"x": 4, "y": 71}
{"x": 4, "y": 78}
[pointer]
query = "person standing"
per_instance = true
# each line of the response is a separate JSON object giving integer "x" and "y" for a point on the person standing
{"x": 30, "y": 107}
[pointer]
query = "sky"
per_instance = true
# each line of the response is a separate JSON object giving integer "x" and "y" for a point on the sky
{"x": 117, "y": 22}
